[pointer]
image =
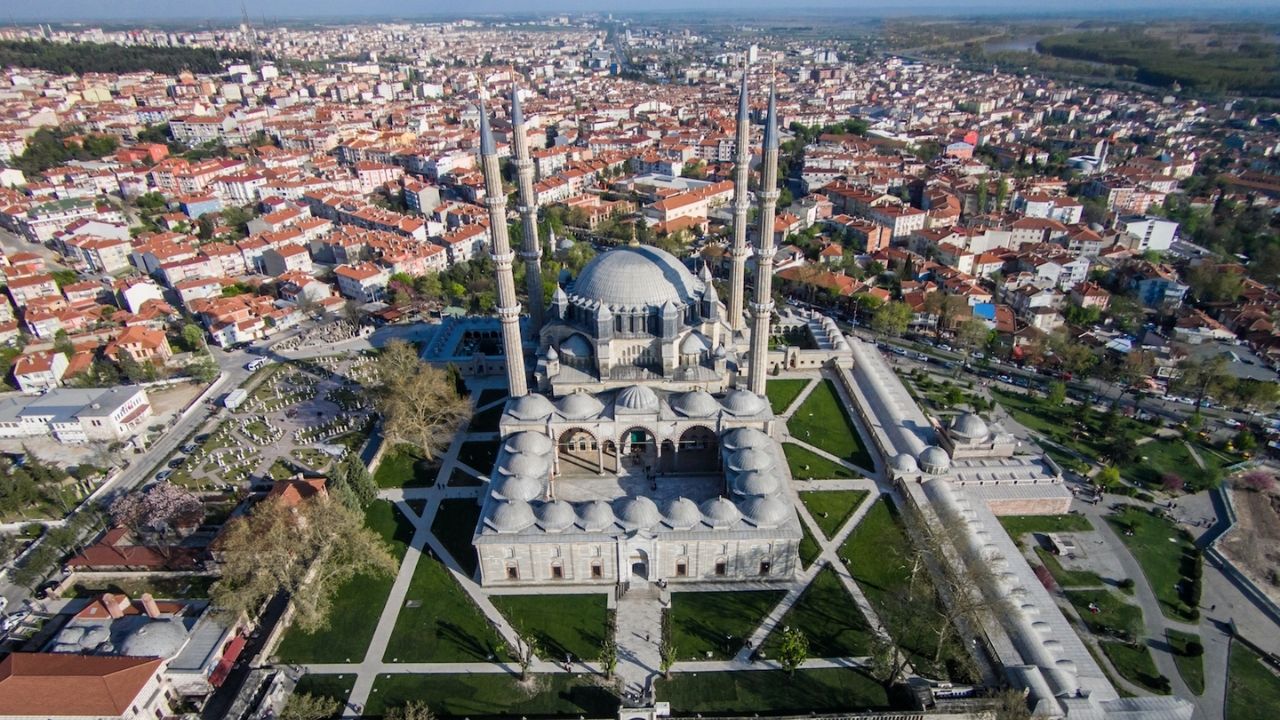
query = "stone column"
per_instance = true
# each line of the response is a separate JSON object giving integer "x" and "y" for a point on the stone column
{"x": 762, "y": 307}
{"x": 741, "y": 208}
{"x": 531, "y": 252}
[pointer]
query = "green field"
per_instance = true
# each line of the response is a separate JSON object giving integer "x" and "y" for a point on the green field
{"x": 1190, "y": 667}
{"x": 404, "y": 467}
{"x": 357, "y": 604}
{"x": 563, "y": 624}
{"x": 493, "y": 695}
{"x": 782, "y": 393}
{"x": 479, "y": 454}
{"x": 1019, "y": 525}
{"x": 1064, "y": 577}
{"x": 439, "y": 623}
{"x": 772, "y": 692}
{"x": 454, "y": 525}
{"x": 809, "y": 547}
{"x": 1163, "y": 551}
{"x": 829, "y": 618}
{"x": 1253, "y": 688}
{"x": 823, "y": 421}
{"x": 486, "y": 420}
{"x": 1162, "y": 457}
{"x": 1134, "y": 663}
{"x": 1115, "y": 615}
{"x": 831, "y": 509}
{"x": 717, "y": 622}
{"x": 808, "y": 465}
{"x": 336, "y": 687}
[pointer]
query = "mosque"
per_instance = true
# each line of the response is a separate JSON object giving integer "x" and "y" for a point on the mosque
{"x": 645, "y": 450}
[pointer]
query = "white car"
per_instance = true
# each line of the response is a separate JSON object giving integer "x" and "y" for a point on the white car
{"x": 1231, "y": 422}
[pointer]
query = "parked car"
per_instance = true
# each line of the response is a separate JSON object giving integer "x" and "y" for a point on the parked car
{"x": 163, "y": 475}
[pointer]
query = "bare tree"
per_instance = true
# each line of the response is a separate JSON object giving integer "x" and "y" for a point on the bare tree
{"x": 526, "y": 650}
{"x": 609, "y": 657}
{"x": 310, "y": 707}
{"x": 420, "y": 404}
{"x": 412, "y": 710}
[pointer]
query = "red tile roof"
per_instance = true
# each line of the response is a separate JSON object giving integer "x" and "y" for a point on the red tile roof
{"x": 62, "y": 684}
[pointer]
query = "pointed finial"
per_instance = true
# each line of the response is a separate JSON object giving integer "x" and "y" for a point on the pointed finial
{"x": 771, "y": 120}
{"x": 487, "y": 146}
{"x": 517, "y": 114}
{"x": 634, "y": 241}
{"x": 742, "y": 96}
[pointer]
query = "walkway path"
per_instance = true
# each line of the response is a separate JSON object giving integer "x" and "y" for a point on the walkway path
{"x": 638, "y": 633}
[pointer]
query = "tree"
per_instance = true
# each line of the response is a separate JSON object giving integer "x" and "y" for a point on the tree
{"x": 305, "y": 706}
{"x": 526, "y": 651}
{"x": 1172, "y": 482}
{"x": 204, "y": 370}
{"x": 609, "y": 657}
{"x": 1202, "y": 377}
{"x": 888, "y": 662}
{"x": 1057, "y": 393}
{"x": 666, "y": 655}
{"x": 793, "y": 650}
{"x": 412, "y": 710}
{"x": 1259, "y": 481}
{"x": 1011, "y": 704}
{"x": 1108, "y": 477}
{"x": 193, "y": 337}
{"x": 62, "y": 343}
{"x": 972, "y": 334}
{"x": 891, "y": 318}
{"x": 352, "y": 482}
{"x": 159, "y": 513}
{"x": 418, "y": 402}
{"x": 306, "y": 551}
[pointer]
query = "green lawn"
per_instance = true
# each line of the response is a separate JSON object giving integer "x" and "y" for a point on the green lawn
{"x": 1253, "y": 689}
{"x": 493, "y": 695}
{"x": 454, "y": 525}
{"x": 808, "y": 465}
{"x": 1190, "y": 667}
{"x": 1115, "y": 615}
{"x": 832, "y": 508}
{"x": 357, "y": 604}
{"x": 782, "y": 393}
{"x": 829, "y": 618}
{"x": 1172, "y": 456}
{"x": 1019, "y": 525}
{"x": 880, "y": 558}
{"x": 809, "y": 547}
{"x": 772, "y": 692}
{"x": 1163, "y": 551}
{"x": 717, "y": 622}
{"x": 486, "y": 420}
{"x": 439, "y": 623}
{"x": 479, "y": 454}
{"x": 562, "y": 624}
{"x": 824, "y": 422}
{"x": 404, "y": 467}
{"x": 337, "y": 687}
{"x": 1134, "y": 663}
{"x": 1063, "y": 425}
{"x": 162, "y": 588}
{"x": 1064, "y": 577}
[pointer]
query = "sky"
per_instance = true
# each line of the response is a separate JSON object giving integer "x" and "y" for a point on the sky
{"x": 161, "y": 10}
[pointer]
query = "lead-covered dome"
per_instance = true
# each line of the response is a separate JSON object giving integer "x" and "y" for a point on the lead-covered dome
{"x": 750, "y": 459}
{"x": 580, "y": 406}
{"x": 575, "y": 347}
{"x": 697, "y": 403}
{"x": 517, "y": 487}
{"x": 556, "y": 516}
{"x": 531, "y": 443}
{"x": 526, "y": 464}
{"x": 638, "y": 513}
{"x": 683, "y": 514}
{"x": 596, "y": 516}
{"x": 637, "y": 397}
{"x": 745, "y": 438}
{"x": 970, "y": 427}
{"x": 720, "y": 512}
{"x": 511, "y": 516}
{"x": 934, "y": 460}
{"x": 754, "y": 483}
{"x": 743, "y": 402}
{"x": 158, "y": 638}
{"x": 765, "y": 511}
{"x": 904, "y": 463}
{"x": 531, "y": 407}
{"x": 637, "y": 276}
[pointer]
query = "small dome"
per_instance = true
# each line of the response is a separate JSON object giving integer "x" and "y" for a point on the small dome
{"x": 637, "y": 397}
{"x": 970, "y": 427}
{"x": 552, "y": 355}
{"x": 575, "y": 346}
{"x": 511, "y": 516}
{"x": 749, "y": 459}
{"x": 720, "y": 512}
{"x": 754, "y": 482}
{"x": 596, "y": 516}
{"x": 695, "y": 344}
{"x": 527, "y": 464}
{"x": 556, "y": 516}
{"x": 765, "y": 511}
{"x": 934, "y": 460}
{"x": 638, "y": 512}
{"x": 158, "y": 638}
{"x": 903, "y": 463}
{"x": 745, "y": 438}
{"x": 683, "y": 514}
{"x": 530, "y": 407}
{"x": 743, "y": 402}
{"x": 517, "y": 487}
{"x": 530, "y": 443}
{"x": 580, "y": 406}
{"x": 698, "y": 403}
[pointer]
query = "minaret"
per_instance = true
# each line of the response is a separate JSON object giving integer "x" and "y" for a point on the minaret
{"x": 741, "y": 207}
{"x": 762, "y": 308}
{"x": 532, "y": 250}
{"x": 508, "y": 309}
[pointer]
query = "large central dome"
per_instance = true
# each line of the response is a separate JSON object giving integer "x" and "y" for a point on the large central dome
{"x": 637, "y": 276}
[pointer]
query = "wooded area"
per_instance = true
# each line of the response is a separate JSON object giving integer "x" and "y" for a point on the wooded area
{"x": 80, "y": 58}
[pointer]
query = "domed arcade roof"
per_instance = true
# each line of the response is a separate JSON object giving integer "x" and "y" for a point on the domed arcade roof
{"x": 743, "y": 402}
{"x": 531, "y": 407}
{"x": 529, "y": 442}
{"x": 158, "y": 638}
{"x": 596, "y": 516}
{"x": 528, "y": 464}
{"x": 580, "y": 406}
{"x": 749, "y": 459}
{"x": 765, "y": 511}
{"x": 754, "y": 483}
{"x": 745, "y": 438}
{"x": 698, "y": 403}
{"x": 934, "y": 460}
{"x": 637, "y": 397}
{"x": 517, "y": 487}
{"x": 556, "y": 516}
{"x": 970, "y": 427}
{"x": 720, "y": 512}
{"x": 683, "y": 514}
{"x": 904, "y": 463}
{"x": 636, "y": 276}
{"x": 511, "y": 516}
{"x": 638, "y": 512}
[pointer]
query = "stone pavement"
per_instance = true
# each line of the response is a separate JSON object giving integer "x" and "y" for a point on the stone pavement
{"x": 638, "y": 633}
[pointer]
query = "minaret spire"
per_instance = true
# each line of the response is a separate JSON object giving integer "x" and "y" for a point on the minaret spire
{"x": 531, "y": 253}
{"x": 508, "y": 309}
{"x": 741, "y": 207}
{"x": 762, "y": 307}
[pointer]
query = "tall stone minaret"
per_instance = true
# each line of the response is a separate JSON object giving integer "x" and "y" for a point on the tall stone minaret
{"x": 762, "y": 307}
{"x": 531, "y": 253}
{"x": 508, "y": 309}
{"x": 741, "y": 207}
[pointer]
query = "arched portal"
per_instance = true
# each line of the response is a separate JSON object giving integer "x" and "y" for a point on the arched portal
{"x": 640, "y": 449}
{"x": 699, "y": 451}
{"x": 578, "y": 451}
{"x": 667, "y": 458}
{"x": 639, "y": 561}
{"x": 610, "y": 456}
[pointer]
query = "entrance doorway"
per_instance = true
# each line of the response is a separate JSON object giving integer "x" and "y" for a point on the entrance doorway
{"x": 639, "y": 566}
